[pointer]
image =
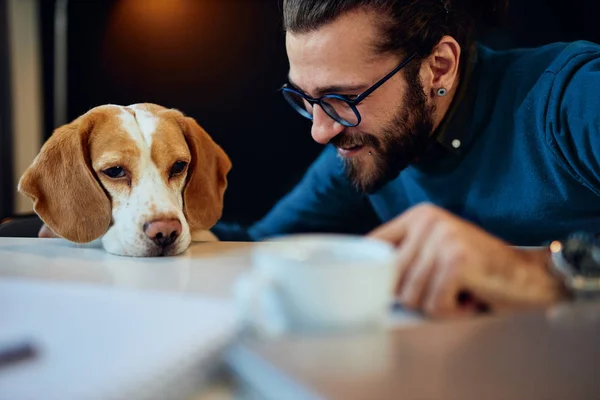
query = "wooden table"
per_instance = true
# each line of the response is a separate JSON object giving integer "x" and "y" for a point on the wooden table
{"x": 544, "y": 354}
{"x": 536, "y": 355}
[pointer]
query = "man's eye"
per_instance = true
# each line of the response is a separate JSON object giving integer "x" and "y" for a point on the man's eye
{"x": 178, "y": 168}
{"x": 114, "y": 172}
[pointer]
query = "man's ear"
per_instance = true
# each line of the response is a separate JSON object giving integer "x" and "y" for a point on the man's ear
{"x": 65, "y": 191}
{"x": 442, "y": 66}
{"x": 207, "y": 176}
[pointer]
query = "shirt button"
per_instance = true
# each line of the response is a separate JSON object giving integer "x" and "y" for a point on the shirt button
{"x": 456, "y": 143}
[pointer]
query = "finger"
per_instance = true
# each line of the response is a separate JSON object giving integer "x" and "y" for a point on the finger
{"x": 393, "y": 232}
{"x": 418, "y": 281}
{"x": 405, "y": 257}
{"x": 396, "y": 230}
{"x": 413, "y": 290}
{"x": 445, "y": 287}
{"x": 412, "y": 250}
{"x": 442, "y": 296}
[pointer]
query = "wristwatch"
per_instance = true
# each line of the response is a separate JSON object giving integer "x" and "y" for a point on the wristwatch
{"x": 576, "y": 260}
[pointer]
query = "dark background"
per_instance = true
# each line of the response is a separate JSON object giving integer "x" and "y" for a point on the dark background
{"x": 222, "y": 62}
{"x": 219, "y": 61}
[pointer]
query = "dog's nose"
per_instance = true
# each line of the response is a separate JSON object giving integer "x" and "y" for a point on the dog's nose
{"x": 163, "y": 232}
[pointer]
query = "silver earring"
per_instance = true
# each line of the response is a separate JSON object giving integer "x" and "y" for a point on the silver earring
{"x": 442, "y": 92}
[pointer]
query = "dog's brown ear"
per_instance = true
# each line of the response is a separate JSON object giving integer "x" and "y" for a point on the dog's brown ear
{"x": 65, "y": 191}
{"x": 207, "y": 177}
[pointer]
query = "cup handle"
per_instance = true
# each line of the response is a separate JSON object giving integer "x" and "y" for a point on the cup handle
{"x": 259, "y": 302}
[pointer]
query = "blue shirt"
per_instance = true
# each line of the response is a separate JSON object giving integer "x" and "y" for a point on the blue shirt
{"x": 527, "y": 169}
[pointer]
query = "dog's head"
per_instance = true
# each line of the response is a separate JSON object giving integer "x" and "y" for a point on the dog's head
{"x": 142, "y": 177}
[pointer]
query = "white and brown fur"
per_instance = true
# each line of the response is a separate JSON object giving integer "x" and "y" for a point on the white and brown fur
{"x": 78, "y": 201}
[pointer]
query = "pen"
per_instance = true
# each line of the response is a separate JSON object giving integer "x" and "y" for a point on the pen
{"x": 15, "y": 353}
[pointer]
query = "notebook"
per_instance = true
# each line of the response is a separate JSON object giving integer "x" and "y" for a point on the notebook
{"x": 96, "y": 342}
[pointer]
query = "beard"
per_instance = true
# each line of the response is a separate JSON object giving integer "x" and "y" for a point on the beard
{"x": 399, "y": 143}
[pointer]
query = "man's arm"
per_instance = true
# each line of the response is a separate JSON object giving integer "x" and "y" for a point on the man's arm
{"x": 323, "y": 201}
{"x": 572, "y": 115}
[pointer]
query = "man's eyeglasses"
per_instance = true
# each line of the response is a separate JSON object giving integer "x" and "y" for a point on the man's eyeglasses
{"x": 341, "y": 108}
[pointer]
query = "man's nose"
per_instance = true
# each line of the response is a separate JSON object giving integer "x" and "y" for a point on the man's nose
{"x": 324, "y": 127}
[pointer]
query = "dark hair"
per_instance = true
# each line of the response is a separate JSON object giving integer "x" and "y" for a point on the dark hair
{"x": 407, "y": 25}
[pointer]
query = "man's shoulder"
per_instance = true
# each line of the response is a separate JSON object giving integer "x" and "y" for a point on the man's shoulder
{"x": 551, "y": 57}
{"x": 560, "y": 55}
{"x": 529, "y": 73}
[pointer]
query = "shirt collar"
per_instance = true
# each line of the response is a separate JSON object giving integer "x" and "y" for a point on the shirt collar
{"x": 453, "y": 131}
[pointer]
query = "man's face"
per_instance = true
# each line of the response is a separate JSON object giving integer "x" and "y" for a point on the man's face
{"x": 396, "y": 121}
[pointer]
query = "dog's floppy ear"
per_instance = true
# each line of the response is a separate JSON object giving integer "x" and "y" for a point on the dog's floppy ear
{"x": 207, "y": 177}
{"x": 65, "y": 191}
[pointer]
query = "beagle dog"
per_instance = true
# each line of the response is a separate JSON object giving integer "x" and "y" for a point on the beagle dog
{"x": 143, "y": 178}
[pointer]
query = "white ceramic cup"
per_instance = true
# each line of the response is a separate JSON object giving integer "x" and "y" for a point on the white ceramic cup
{"x": 317, "y": 282}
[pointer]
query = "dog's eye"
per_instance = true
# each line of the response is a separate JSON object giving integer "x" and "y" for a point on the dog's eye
{"x": 114, "y": 172}
{"x": 178, "y": 168}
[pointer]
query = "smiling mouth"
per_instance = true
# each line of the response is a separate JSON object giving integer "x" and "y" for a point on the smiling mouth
{"x": 349, "y": 151}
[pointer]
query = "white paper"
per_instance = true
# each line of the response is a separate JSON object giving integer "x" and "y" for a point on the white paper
{"x": 105, "y": 343}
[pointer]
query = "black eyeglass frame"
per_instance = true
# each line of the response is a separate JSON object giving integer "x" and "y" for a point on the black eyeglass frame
{"x": 352, "y": 103}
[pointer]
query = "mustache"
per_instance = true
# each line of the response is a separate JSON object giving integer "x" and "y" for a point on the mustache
{"x": 345, "y": 139}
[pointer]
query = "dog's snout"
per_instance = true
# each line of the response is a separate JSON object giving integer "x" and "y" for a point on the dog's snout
{"x": 163, "y": 232}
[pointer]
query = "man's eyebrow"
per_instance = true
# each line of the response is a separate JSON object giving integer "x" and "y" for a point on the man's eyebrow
{"x": 333, "y": 89}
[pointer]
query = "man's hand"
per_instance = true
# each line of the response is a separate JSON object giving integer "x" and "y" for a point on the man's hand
{"x": 449, "y": 267}
{"x": 46, "y": 232}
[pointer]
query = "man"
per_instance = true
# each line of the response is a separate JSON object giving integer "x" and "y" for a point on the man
{"x": 441, "y": 139}
{"x": 507, "y": 140}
